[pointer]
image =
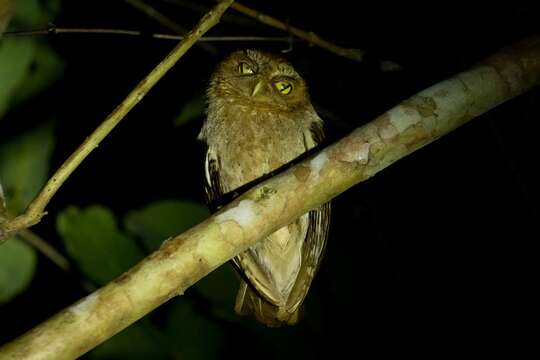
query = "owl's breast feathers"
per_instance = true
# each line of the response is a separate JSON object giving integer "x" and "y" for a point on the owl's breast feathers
{"x": 252, "y": 142}
{"x": 245, "y": 143}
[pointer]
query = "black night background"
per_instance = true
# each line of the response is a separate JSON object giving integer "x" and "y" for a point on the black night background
{"x": 433, "y": 257}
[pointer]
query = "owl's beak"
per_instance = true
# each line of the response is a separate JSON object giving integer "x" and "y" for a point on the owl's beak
{"x": 257, "y": 89}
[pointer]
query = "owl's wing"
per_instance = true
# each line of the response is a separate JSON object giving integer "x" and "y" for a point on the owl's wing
{"x": 312, "y": 254}
{"x": 315, "y": 135}
{"x": 316, "y": 236}
{"x": 212, "y": 185}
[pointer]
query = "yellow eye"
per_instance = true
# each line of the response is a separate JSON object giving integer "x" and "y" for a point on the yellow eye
{"x": 283, "y": 87}
{"x": 245, "y": 69}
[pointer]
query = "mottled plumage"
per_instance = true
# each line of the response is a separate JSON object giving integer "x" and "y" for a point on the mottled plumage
{"x": 260, "y": 118}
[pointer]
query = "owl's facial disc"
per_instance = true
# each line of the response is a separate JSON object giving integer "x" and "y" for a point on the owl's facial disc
{"x": 253, "y": 78}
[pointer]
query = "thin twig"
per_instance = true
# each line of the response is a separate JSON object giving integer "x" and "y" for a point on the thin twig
{"x": 36, "y": 209}
{"x": 157, "y": 16}
{"x": 166, "y": 22}
{"x": 45, "y": 248}
{"x": 54, "y": 256}
{"x": 53, "y": 30}
{"x": 312, "y": 38}
{"x": 34, "y": 240}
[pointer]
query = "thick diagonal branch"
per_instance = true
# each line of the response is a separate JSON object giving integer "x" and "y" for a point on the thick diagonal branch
{"x": 185, "y": 259}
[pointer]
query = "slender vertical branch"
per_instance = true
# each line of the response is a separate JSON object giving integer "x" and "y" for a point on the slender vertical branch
{"x": 36, "y": 209}
{"x": 185, "y": 259}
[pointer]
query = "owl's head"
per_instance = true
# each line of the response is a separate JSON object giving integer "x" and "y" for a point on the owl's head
{"x": 261, "y": 79}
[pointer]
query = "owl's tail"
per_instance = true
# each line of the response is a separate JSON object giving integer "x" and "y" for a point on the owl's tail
{"x": 248, "y": 301}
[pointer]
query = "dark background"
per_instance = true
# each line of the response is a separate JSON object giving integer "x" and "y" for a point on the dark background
{"x": 432, "y": 257}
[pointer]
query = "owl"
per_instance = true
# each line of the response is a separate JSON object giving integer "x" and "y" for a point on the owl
{"x": 259, "y": 117}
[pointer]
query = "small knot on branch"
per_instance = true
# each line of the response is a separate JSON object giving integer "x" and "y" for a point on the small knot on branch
{"x": 52, "y": 29}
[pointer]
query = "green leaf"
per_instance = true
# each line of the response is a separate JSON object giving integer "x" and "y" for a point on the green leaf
{"x": 34, "y": 13}
{"x": 27, "y": 66}
{"x": 26, "y": 62}
{"x": 163, "y": 219}
{"x": 29, "y": 12}
{"x": 193, "y": 109}
{"x": 92, "y": 238}
{"x": 16, "y": 56}
{"x": 17, "y": 266}
{"x": 3, "y": 209}
{"x": 192, "y": 335}
{"x": 139, "y": 341}
{"x": 46, "y": 68}
{"x": 24, "y": 166}
{"x": 6, "y": 11}
{"x": 53, "y": 6}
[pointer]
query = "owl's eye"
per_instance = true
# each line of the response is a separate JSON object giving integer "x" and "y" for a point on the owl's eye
{"x": 245, "y": 69}
{"x": 283, "y": 87}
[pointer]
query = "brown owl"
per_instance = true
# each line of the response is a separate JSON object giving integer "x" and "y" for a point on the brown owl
{"x": 260, "y": 118}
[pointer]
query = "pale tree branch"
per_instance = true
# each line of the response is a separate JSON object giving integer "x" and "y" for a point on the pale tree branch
{"x": 36, "y": 209}
{"x": 185, "y": 259}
